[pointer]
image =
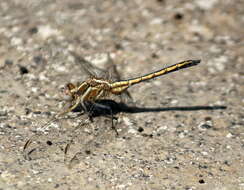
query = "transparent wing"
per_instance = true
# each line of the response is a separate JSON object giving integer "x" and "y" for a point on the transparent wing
{"x": 87, "y": 67}
{"x": 99, "y": 65}
{"x": 115, "y": 76}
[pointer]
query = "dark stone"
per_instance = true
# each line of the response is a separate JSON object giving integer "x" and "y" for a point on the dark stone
{"x": 140, "y": 129}
{"x": 178, "y": 16}
{"x": 49, "y": 143}
{"x": 33, "y": 30}
{"x": 23, "y": 70}
{"x": 8, "y": 62}
{"x": 38, "y": 59}
{"x": 201, "y": 181}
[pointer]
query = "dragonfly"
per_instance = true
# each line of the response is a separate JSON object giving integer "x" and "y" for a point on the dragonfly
{"x": 97, "y": 88}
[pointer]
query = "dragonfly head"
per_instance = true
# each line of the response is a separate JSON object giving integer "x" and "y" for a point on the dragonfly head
{"x": 70, "y": 90}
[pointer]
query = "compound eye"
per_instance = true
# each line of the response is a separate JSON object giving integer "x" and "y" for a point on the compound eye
{"x": 70, "y": 86}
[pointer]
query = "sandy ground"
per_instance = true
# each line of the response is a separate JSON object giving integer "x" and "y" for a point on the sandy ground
{"x": 183, "y": 131}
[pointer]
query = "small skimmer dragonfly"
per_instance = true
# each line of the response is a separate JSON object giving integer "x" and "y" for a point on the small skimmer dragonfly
{"x": 95, "y": 88}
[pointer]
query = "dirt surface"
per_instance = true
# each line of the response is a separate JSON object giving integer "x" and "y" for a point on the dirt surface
{"x": 184, "y": 130}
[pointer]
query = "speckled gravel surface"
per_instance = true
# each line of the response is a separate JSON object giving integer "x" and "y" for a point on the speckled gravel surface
{"x": 189, "y": 132}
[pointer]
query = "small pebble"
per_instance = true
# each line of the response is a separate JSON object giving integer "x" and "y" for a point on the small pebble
{"x": 140, "y": 129}
{"x": 201, "y": 181}
{"x": 33, "y": 30}
{"x": 3, "y": 113}
{"x": 229, "y": 135}
{"x": 8, "y": 62}
{"x": 38, "y": 59}
{"x": 23, "y": 70}
{"x": 49, "y": 143}
{"x": 178, "y": 16}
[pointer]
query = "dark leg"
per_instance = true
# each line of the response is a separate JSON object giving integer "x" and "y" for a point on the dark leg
{"x": 88, "y": 108}
{"x": 84, "y": 107}
{"x": 105, "y": 107}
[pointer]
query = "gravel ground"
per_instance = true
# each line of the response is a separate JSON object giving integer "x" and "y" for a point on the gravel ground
{"x": 184, "y": 130}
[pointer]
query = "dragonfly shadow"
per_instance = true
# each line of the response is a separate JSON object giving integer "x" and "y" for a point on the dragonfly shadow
{"x": 124, "y": 108}
{"x": 97, "y": 109}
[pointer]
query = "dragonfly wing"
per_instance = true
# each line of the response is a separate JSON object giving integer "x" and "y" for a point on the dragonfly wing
{"x": 87, "y": 67}
{"x": 115, "y": 76}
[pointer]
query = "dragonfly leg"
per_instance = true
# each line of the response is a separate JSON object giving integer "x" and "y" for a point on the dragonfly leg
{"x": 83, "y": 105}
{"x": 111, "y": 115}
{"x": 71, "y": 107}
{"x": 79, "y": 100}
